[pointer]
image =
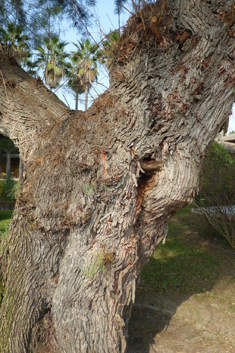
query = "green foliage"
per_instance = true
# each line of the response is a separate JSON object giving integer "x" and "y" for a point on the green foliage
{"x": 84, "y": 69}
{"x": 0, "y": 188}
{"x": 47, "y": 22}
{"x": 217, "y": 178}
{"x": 12, "y": 11}
{"x": 118, "y": 5}
{"x": 119, "y": 8}
{"x": 4, "y": 232}
{"x": 10, "y": 189}
{"x": 14, "y": 42}
{"x": 105, "y": 55}
{"x": 14, "y": 193}
{"x": 52, "y": 60}
{"x": 40, "y": 16}
{"x": 217, "y": 190}
{"x": 5, "y": 220}
{"x": 7, "y": 144}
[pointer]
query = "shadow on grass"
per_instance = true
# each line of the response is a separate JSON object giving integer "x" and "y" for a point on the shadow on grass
{"x": 176, "y": 272}
{"x": 5, "y": 215}
{"x": 5, "y": 219}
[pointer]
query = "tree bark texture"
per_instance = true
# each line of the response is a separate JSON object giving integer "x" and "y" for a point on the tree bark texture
{"x": 101, "y": 185}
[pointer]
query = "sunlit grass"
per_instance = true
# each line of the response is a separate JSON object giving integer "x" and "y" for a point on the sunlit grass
{"x": 178, "y": 267}
{"x": 5, "y": 220}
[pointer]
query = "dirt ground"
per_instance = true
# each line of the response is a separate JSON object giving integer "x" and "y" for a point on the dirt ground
{"x": 200, "y": 322}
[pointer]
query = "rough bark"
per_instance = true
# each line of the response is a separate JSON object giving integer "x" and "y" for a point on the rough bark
{"x": 102, "y": 185}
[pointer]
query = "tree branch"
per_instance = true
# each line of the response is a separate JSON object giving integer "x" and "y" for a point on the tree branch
{"x": 27, "y": 107}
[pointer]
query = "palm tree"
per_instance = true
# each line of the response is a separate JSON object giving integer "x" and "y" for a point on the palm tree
{"x": 52, "y": 59}
{"x": 77, "y": 86}
{"x": 106, "y": 54}
{"x": 118, "y": 9}
{"x": 84, "y": 62}
{"x": 13, "y": 42}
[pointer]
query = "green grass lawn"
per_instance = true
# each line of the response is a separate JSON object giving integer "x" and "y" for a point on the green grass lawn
{"x": 5, "y": 220}
{"x": 178, "y": 265}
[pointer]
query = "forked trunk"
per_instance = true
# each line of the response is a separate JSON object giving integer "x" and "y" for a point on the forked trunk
{"x": 102, "y": 185}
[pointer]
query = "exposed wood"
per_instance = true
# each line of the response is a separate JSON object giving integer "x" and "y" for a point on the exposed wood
{"x": 152, "y": 166}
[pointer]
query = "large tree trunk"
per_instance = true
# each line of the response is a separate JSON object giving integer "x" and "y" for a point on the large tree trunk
{"x": 102, "y": 185}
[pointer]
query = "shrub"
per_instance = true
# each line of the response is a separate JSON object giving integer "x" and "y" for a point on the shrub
{"x": 0, "y": 188}
{"x": 10, "y": 189}
{"x": 216, "y": 200}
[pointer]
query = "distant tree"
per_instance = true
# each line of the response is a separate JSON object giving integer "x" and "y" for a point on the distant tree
{"x": 52, "y": 60}
{"x": 12, "y": 12}
{"x": 13, "y": 42}
{"x": 105, "y": 54}
{"x": 37, "y": 15}
{"x": 217, "y": 191}
{"x": 76, "y": 85}
{"x": 118, "y": 9}
{"x": 8, "y": 146}
{"x": 85, "y": 69}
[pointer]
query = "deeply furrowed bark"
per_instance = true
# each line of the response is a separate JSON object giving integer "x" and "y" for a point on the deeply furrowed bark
{"x": 101, "y": 186}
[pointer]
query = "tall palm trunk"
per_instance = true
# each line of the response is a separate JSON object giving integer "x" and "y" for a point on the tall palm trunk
{"x": 86, "y": 96}
{"x": 119, "y": 21}
{"x": 76, "y": 101}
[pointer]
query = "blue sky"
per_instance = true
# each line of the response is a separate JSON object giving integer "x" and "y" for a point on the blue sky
{"x": 105, "y": 20}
